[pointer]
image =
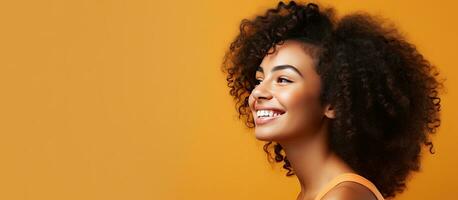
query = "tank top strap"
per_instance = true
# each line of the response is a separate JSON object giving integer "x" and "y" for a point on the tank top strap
{"x": 349, "y": 177}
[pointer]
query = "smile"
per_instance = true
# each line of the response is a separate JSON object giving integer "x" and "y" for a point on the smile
{"x": 264, "y": 117}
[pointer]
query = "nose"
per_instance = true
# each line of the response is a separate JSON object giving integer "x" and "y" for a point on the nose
{"x": 261, "y": 91}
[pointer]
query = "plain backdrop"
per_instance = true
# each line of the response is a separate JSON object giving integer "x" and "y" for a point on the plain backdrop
{"x": 125, "y": 100}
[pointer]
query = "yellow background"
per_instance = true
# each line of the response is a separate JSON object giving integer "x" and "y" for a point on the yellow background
{"x": 125, "y": 100}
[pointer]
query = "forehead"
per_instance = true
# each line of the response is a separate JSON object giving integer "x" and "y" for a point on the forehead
{"x": 291, "y": 52}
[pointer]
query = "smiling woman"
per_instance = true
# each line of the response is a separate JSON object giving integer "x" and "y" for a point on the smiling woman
{"x": 296, "y": 98}
{"x": 347, "y": 103}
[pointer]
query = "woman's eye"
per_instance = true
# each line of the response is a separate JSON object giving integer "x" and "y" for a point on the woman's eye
{"x": 281, "y": 80}
{"x": 287, "y": 81}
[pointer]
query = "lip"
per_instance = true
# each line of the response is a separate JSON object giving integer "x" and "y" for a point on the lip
{"x": 256, "y": 108}
{"x": 265, "y": 120}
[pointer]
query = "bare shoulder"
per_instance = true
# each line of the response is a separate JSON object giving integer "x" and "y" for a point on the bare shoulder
{"x": 349, "y": 191}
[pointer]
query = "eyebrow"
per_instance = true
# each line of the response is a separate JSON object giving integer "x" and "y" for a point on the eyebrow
{"x": 280, "y": 67}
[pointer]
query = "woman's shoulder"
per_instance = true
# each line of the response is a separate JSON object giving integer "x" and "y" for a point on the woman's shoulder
{"x": 349, "y": 186}
{"x": 349, "y": 191}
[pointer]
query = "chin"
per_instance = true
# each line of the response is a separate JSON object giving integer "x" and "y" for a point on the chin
{"x": 269, "y": 135}
{"x": 277, "y": 136}
{"x": 264, "y": 136}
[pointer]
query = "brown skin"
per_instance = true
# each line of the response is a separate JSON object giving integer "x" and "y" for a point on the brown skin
{"x": 349, "y": 191}
{"x": 302, "y": 129}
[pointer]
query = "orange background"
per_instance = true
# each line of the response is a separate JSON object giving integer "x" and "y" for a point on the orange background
{"x": 125, "y": 100}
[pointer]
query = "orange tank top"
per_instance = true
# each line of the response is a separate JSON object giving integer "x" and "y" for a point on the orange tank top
{"x": 349, "y": 177}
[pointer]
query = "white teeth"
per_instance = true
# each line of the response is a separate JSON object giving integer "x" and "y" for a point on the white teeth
{"x": 266, "y": 113}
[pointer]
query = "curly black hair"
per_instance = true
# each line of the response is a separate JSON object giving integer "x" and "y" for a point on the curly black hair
{"x": 385, "y": 93}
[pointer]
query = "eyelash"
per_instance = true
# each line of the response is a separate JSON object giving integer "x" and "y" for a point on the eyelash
{"x": 258, "y": 81}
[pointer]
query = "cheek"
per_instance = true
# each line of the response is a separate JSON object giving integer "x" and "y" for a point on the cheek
{"x": 304, "y": 109}
{"x": 300, "y": 99}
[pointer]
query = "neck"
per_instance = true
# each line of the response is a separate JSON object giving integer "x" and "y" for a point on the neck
{"x": 313, "y": 163}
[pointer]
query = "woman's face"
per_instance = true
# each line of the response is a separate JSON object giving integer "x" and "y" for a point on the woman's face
{"x": 287, "y": 84}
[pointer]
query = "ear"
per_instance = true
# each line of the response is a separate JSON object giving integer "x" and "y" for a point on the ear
{"x": 329, "y": 111}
